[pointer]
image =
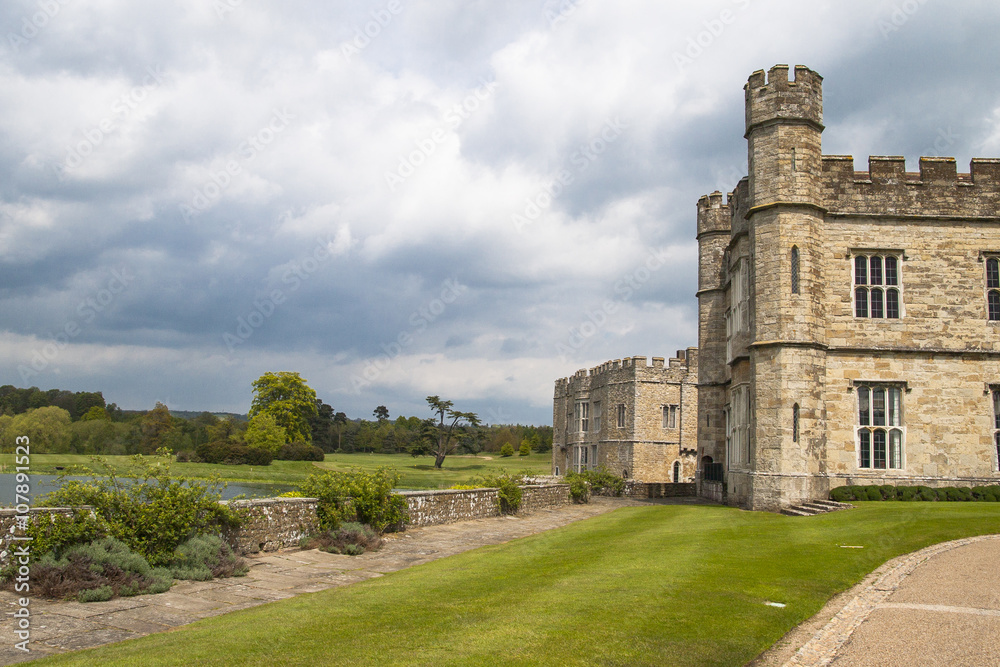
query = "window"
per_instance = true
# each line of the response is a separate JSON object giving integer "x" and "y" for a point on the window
{"x": 738, "y": 427}
{"x": 584, "y": 457}
{"x": 621, "y": 415}
{"x": 795, "y": 423}
{"x": 669, "y": 416}
{"x": 597, "y": 416}
{"x": 582, "y": 416}
{"x": 996, "y": 425}
{"x": 677, "y": 472}
{"x": 738, "y": 313}
{"x": 877, "y": 286}
{"x": 880, "y": 432}
{"x": 795, "y": 269}
{"x": 993, "y": 288}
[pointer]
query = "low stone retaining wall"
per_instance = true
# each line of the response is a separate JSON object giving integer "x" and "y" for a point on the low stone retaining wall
{"x": 430, "y": 508}
{"x": 270, "y": 524}
{"x": 654, "y": 490}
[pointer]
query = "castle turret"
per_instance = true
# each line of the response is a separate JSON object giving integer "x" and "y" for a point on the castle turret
{"x": 787, "y": 337}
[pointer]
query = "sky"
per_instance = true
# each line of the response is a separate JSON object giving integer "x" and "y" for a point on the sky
{"x": 404, "y": 198}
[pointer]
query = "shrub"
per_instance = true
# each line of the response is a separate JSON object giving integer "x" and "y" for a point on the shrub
{"x": 925, "y": 493}
{"x": 953, "y": 494}
{"x": 842, "y": 494}
{"x": 357, "y": 496}
{"x": 233, "y": 453}
{"x": 601, "y": 478}
{"x": 888, "y": 492}
{"x": 508, "y": 486}
{"x": 152, "y": 514}
{"x": 524, "y": 449}
{"x": 506, "y": 450}
{"x": 96, "y": 571}
{"x": 352, "y": 539}
{"x": 185, "y": 457}
{"x": 906, "y": 493}
{"x": 579, "y": 487}
{"x": 463, "y": 487}
{"x": 206, "y": 557}
{"x": 300, "y": 451}
{"x": 872, "y": 493}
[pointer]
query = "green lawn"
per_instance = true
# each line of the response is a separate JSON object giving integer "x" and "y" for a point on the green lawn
{"x": 417, "y": 473}
{"x": 656, "y": 585}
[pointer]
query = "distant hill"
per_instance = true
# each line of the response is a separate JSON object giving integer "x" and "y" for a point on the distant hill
{"x": 190, "y": 414}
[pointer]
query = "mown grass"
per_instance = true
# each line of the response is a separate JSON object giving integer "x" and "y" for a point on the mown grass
{"x": 657, "y": 585}
{"x": 416, "y": 473}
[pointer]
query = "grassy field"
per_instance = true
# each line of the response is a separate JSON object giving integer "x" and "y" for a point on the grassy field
{"x": 417, "y": 473}
{"x": 657, "y": 585}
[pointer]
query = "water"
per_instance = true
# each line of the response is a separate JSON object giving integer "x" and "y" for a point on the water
{"x": 42, "y": 484}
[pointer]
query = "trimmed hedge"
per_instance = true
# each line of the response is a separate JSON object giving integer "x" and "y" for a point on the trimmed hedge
{"x": 914, "y": 493}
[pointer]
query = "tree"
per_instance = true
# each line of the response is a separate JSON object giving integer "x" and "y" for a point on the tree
{"x": 381, "y": 413}
{"x": 156, "y": 425}
{"x": 95, "y": 413}
{"x": 286, "y": 397}
{"x": 47, "y": 428}
{"x": 264, "y": 433}
{"x": 440, "y": 439}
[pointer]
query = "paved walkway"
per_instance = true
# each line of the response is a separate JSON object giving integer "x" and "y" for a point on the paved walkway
{"x": 936, "y": 606}
{"x": 58, "y": 627}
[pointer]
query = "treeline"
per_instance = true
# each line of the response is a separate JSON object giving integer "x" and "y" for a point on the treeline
{"x": 65, "y": 422}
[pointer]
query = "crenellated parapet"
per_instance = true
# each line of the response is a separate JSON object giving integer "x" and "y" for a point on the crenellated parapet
{"x": 887, "y": 189}
{"x": 631, "y": 369}
{"x": 776, "y": 99}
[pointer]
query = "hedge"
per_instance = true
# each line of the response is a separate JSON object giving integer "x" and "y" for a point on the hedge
{"x": 914, "y": 493}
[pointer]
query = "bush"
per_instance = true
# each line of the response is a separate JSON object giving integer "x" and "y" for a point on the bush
{"x": 888, "y": 492}
{"x": 300, "y": 451}
{"x": 916, "y": 493}
{"x": 525, "y": 448}
{"x": 508, "y": 486}
{"x": 506, "y": 450}
{"x": 579, "y": 487}
{"x": 361, "y": 496}
{"x": 601, "y": 478}
{"x": 925, "y": 493}
{"x": 233, "y": 453}
{"x": 842, "y": 494}
{"x": 352, "y": 539}
{"x": 463, "y": 487}
{"x": 96, "y": 571}
{"x": 185, "y": 457}
{"x": 152, "y": 514}
{"x": 206, "y": 557}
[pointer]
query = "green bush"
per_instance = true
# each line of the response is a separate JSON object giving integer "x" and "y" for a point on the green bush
{"x": 102, "y": 594}
{"x": 579, "y": 487}
{"x": 925, "y": 493}
{"x": 603, "y": 479}
{"x": 233, "y": 453}
{"x": 508, "y": 486}
{"x": 917, "y": 493}
{"x": 524, "y": 449}
{"x": 906, "y": 493}
{"x": 153, "y": 513}
{"x": 206, "y": 557}
{"x": 300, "y": 451}
{"x": 888, "y": 492}
{"x": 507, "y": 450}
{"x": 352, "y": 539}
{"x": 842, "y": 494}
{"x": 366, "y": 497}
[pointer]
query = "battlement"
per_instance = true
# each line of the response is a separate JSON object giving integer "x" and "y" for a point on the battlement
{"x": 937, "y": 189}
{"x": 630, "y": 368}
{"x": 713, "y": 214}
{"x": 776, "y": 98}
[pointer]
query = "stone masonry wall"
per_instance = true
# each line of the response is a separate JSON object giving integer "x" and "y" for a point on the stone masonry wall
{"x": 430, "y": 508}
{"x": 270, "y": 524}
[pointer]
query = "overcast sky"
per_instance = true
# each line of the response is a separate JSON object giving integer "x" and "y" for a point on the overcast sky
{"x": 398, "y": 198}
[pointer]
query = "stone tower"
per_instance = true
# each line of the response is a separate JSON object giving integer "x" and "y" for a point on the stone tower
{"x": 786, "y": 350}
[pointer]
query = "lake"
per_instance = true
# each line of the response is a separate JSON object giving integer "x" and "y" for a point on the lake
{"x": 42, "y": 484}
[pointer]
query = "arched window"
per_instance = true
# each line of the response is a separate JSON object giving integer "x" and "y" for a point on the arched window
{"x": 677, "y": 472}
{"x": 795, "y": 423}
{"x": 795, "y": 269}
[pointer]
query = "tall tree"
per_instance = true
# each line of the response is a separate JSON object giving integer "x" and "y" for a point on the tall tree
{"x": 286, "y": 397}
{"x": 381, "y": 413}
{"x": 440, "y": 438}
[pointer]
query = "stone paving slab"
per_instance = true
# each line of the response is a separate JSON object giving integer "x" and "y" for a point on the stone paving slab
{"x": 58, "y": 627}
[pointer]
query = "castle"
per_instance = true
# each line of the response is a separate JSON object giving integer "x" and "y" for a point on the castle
{"x": 636, "y": 419}
{"x": 848, "y": 321}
